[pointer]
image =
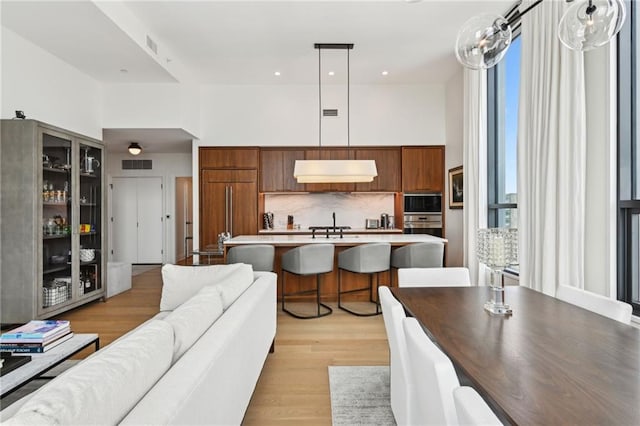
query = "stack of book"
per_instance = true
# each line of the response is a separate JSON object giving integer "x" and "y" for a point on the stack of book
{"x": 36, "y": 336}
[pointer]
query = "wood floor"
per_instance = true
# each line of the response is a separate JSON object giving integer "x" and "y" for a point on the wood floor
{"x": 294, "y": 386}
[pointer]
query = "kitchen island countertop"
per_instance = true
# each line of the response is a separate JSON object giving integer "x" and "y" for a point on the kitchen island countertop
{"x": 346, "y": 240}
{"x": 304, "y": 231}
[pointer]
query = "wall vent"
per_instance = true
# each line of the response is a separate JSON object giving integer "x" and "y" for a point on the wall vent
{"x": 137, "y": 164}
{"x": 329, "y": 112}
{"x": 152, "y": 45}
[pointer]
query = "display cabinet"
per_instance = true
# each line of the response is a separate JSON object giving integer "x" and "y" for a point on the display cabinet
{"x": 53, "y": 245}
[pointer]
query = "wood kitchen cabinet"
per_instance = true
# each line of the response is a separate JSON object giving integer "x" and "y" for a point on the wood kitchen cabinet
{"x": 330, "y": 154}
{"x": 388, "y": 166}
{"x": 228, "y": 203}
{"x": 423, "y": 169}
{"x": 228, "y": 158}
{"x": 276, "y": 170}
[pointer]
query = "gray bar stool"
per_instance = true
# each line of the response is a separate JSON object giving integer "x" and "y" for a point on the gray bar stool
{"x": 260, "y": 256}
{"x": 310, "y": 259}
{"x": 364, "y": 259}
{"x": 418, "y": 255}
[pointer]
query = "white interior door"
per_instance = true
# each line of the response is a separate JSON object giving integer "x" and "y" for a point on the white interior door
{"x": 124, "y": 210}
{"x": 150, "y": 225}
{"x": 138, "y": 232}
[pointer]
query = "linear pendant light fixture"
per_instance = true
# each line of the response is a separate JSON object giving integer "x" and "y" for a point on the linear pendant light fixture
{"x": 334, "y": 171}
{"x": 587, "y": 24}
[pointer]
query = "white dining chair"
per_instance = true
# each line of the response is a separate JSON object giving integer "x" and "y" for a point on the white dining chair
{"x": 610, "y": 308}
{"x": 471, "y": 409}
{"x": 400, "y": 387}
{"x": 433, "y": 379}
{"x": 433, "y": 277}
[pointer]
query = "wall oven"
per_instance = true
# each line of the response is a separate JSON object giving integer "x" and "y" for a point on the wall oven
{"x": 423, "y": 214}
{"x": 428, "y": 223}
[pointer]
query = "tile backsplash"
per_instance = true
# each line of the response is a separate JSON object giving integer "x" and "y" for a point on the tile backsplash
{"x": 315, "y": 209}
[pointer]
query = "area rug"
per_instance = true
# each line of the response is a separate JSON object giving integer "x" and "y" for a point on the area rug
{"x": 360, "y": 395}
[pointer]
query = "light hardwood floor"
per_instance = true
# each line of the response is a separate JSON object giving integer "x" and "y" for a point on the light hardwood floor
{"x": 294, "y": 386}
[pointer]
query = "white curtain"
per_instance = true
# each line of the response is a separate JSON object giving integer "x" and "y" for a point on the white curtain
{"x": 475, "y": 167}
{"x": 551, "y": 154}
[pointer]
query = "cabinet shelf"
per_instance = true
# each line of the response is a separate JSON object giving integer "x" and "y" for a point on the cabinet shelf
{"x": 55, "y": 237}
{"x": 91, "y": 175}
{"x": 55, "y": 170}
{"x": 54, "y": 203}
{"x": 83, "y": 234}
{"x": 88, "y": 204}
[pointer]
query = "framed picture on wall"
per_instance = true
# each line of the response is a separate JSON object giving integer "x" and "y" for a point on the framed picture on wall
{"x": 456, "y": 189}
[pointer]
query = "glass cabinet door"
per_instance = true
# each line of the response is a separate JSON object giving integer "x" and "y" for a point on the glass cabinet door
{"x": 90, "y": 219}
{"x": 57, "y": 215}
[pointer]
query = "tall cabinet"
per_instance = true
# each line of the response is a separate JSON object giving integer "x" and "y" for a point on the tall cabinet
{"x": 52, "y": 242}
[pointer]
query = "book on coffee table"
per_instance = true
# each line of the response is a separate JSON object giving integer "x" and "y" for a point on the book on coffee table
{"x": 34, "y": 347}
{"x": 36, "y": 331}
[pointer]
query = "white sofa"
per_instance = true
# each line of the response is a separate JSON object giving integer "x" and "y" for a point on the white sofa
{"x": 196, "y": 362}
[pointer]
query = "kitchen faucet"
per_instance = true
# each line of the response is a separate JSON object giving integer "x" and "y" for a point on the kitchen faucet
{"x": 334, "y": 221}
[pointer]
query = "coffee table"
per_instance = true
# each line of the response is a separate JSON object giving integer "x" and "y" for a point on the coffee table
{"x": 41, "y": 363}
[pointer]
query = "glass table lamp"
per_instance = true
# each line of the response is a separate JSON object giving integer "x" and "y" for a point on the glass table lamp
{"x": 498, "y": 248}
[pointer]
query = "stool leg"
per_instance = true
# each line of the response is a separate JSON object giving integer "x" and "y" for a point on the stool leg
{"x": 284, "y": 275}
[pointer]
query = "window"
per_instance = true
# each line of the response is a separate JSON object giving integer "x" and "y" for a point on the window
{"x": 629, "y": 161}
{"x": 503, "y": 93}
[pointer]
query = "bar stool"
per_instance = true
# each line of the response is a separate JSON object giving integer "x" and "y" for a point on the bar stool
{"x": 364, "y": 259}
{"x": 418, "y": 255}
{"x": 310, "y": 259}
{"x": 260, "y": 256}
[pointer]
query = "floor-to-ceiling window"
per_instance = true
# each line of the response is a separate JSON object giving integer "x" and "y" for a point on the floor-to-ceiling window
{"x": 503, "y": 93}
{"x": 629, "y": 160}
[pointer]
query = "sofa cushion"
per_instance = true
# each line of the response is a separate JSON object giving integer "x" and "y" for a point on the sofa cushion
{"x": 180, "y": 283}
{"x": 191, "y": 319}
{"x": 107, "y": 385}
{"x": 232, "y": 286}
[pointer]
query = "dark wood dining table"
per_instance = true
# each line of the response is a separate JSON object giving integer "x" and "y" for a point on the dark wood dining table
{"x": 550, "y": 363}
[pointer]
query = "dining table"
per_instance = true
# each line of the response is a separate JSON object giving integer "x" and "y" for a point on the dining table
{"x": 549, "y": 363}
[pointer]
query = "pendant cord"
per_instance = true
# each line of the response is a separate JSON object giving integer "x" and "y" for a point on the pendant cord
{"x": 319, "y": 102}
{"x": 348, "y": 108}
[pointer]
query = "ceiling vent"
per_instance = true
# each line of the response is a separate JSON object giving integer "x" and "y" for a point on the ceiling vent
{"x": 329, "y": 112}
{"x": 152, "y": 45}
{"x": 137, "y": 164}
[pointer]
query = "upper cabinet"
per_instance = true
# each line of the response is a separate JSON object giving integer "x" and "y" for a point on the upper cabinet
{"x": 228, "y": 158}
{"x": 388, "y": 166}
{"x": 423, "y": 169}
{"x": 276, "y": 170}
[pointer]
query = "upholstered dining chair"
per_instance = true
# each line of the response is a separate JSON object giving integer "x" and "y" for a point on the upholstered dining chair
{"x": 400, "y": 387}
{"x": 471, "y": 409}
{"x": 610, "y": 308}
{"x": 260, "y": 256}
{"x": 433, "y": 379}
{"x": 433, "y": 277}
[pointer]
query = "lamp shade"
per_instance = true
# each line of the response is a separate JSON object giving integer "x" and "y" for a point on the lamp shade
{"x": 498, "y": 247}
{"x": 334, "y": 171}
{"x": 134, "y": 148}
{"x": 587, "y": 25}
{"x": 482, "y": 41}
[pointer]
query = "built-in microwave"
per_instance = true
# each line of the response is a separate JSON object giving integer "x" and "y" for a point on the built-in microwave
{"x": 422, "y": 203}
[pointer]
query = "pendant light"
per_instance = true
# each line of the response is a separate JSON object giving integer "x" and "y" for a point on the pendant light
{"x": 589, "y": 24}
{"x": 134, "y": 148}
{"x": 483, "y": 40}
{"x": 334, "y": 171}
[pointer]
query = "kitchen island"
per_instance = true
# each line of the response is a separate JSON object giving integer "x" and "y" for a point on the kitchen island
{"x": 329, "y": 286}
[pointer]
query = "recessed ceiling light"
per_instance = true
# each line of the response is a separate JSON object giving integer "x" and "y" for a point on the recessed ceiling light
{"x": 385, "y": 72}
{"x": 277, "y": 73}
{"x": 124, "y": 70}
{"x": 332, "y": 73}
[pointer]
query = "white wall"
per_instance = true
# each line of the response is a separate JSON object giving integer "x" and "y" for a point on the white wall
{"x": 454, "y": 158}
{"x": 287, "y": 115}
{"x": 600, "y": 232}
{"x": 151, "y": 106}
{"x": 47, "y": 88}
{"x": 167, "y": 166}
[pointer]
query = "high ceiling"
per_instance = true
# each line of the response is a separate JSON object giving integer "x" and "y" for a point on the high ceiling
{"x": 246, "y": 42}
